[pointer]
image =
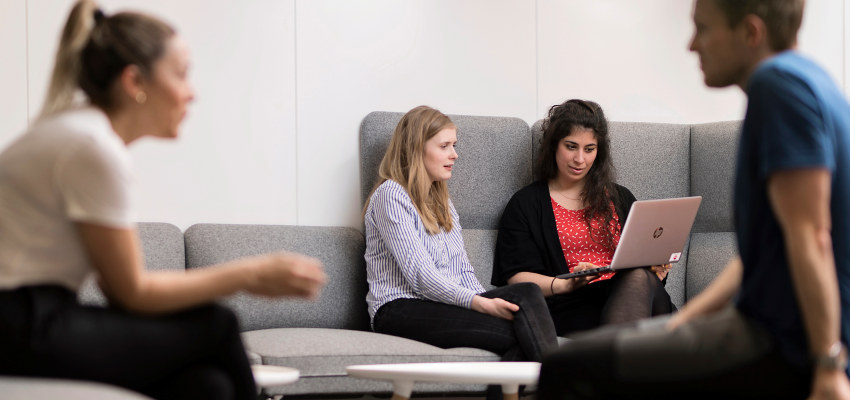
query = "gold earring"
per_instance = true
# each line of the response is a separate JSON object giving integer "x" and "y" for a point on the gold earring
{"x": 141, "y": 97}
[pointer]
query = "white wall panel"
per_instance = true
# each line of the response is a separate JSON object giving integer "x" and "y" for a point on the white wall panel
{"x": 13, "y": 69}
{"x": 253, "y": 150}
{"x": 235, "y": 159}
{"x": 822, "y": 36}
{"x": 631, "y": 57}
{"x": 468, "y": 57}
{"x": 45, "y": 19}
{"x": 846, "y": 50}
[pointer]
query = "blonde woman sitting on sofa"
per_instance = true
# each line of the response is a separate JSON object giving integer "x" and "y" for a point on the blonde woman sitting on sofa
{"x": 421, "y": 284}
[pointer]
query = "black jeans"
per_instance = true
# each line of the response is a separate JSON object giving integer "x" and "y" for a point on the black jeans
{"x": 527, "y": 337}
{"x": 194, "y": 354}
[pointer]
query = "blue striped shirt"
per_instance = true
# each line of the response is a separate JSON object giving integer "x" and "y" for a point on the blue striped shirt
{"x": 404, "y": 261}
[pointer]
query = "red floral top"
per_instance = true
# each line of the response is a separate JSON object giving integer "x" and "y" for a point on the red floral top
{"x": 576, "y": 242}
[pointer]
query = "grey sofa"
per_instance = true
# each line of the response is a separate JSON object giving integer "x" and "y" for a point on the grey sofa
{"x": 496, "y": 158}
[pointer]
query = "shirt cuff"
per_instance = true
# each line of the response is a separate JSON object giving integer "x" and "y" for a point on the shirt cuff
{"x": 463, "y": 297}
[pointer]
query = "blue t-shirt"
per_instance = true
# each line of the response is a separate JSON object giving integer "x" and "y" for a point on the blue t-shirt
{"x": 796, "y": 118}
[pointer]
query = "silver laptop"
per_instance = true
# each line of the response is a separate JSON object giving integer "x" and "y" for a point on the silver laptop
{"x": 655, "y": 234}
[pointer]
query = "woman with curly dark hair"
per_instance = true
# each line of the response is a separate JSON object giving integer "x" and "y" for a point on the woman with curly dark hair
{"x": 569, "y": 220}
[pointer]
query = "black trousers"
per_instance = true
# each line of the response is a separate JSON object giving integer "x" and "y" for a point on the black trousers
{"x": 721, "y": 356}
{"x": 630, "y": 295}
{"x": 194, "y": 354}
{"x": 527, "y": 337}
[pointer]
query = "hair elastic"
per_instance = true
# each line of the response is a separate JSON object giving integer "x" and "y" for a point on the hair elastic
{"x": 99, "y": 16}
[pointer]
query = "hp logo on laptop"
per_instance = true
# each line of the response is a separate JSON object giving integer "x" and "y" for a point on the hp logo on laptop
{"x": 658, "y": 232}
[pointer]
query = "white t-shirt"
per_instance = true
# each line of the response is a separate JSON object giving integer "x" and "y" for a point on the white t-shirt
{"x": 68, "y": 168}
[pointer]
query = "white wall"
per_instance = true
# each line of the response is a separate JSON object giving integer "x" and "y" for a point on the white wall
{"x": 282, "y": 85}
{"x": 822, "y": 36}
{"x": 464, "y": 57}
{"x": 235, "y": 159}
{"x": 13, "y": 69}
{"x": 631, "y": 57}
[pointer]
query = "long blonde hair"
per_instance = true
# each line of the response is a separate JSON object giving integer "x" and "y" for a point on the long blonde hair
{"x": 95, "y": 48}
{"x": 404, "y": 164}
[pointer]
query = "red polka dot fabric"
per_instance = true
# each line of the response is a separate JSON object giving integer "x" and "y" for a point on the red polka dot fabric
{"x": 576, "y": 242}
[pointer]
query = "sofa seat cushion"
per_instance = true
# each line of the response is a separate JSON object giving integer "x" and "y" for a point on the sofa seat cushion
{"x": 321, "y": 355}
{"x": 326, "y": 352}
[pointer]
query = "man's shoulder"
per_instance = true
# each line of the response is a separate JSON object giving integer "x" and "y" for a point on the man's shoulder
{"x": 789, "y": 70}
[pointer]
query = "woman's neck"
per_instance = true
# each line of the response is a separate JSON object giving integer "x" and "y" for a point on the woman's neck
{"x": 125, "y": 125}
{"x": 570, "y": 189}
{"x": 567, "y": 194}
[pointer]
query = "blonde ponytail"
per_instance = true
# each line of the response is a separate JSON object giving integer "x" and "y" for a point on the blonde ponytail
{"x": 94, "y": 50}
{"x": 66, "y": 70}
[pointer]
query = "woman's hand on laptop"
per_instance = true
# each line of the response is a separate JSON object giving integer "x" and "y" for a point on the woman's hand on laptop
{"x": 661, "y": 270}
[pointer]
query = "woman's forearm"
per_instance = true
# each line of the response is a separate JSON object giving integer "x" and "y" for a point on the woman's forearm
{"x": 116, "y": 255}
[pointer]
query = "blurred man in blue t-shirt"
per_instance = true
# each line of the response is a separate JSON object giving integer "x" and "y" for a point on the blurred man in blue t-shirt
{"x": 775, "y": 322}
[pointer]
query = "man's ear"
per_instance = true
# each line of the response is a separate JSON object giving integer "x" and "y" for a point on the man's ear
{"x": 131, "y": 82}
{"x": 755, "y": 31}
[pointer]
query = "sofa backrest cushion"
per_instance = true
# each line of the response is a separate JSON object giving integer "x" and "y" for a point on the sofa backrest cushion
{"x": 708, "y": 254}
{"x": 714, "y": 153}
{"x": 494, "y": 161}
{"x": 342, "y": 303}
{"x": 162, "y": 245}
{"x": 650, "y": 159}
{"x": 479, "y": 244}
{"x": 713, "y": 161}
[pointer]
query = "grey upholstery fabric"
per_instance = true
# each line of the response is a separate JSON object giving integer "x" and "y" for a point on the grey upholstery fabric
{"x": 713, "y": 157}
{"x": 336, "y": 387}
{"x": 319, "y": 353}
{"x": 480, "y": 245}
{"x": 493, "y": 162}
{"x": 162, "y": 245}
{"x": 375, "y": 133}
{"x": 650, "y": 159}
{"x": 709, "y": 253}
{"x": 342, "y": 302}
{"x": 22, "y": 388}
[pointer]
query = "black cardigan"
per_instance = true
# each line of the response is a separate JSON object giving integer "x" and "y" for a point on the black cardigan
{"x": 528, "y": 238}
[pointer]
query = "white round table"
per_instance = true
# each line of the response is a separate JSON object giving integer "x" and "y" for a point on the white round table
{"x": 508, "y": 374}
{"x": 273, "y": 375}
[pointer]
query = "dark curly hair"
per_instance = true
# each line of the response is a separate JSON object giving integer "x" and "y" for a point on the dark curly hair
{"x": 599, "y": 181}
